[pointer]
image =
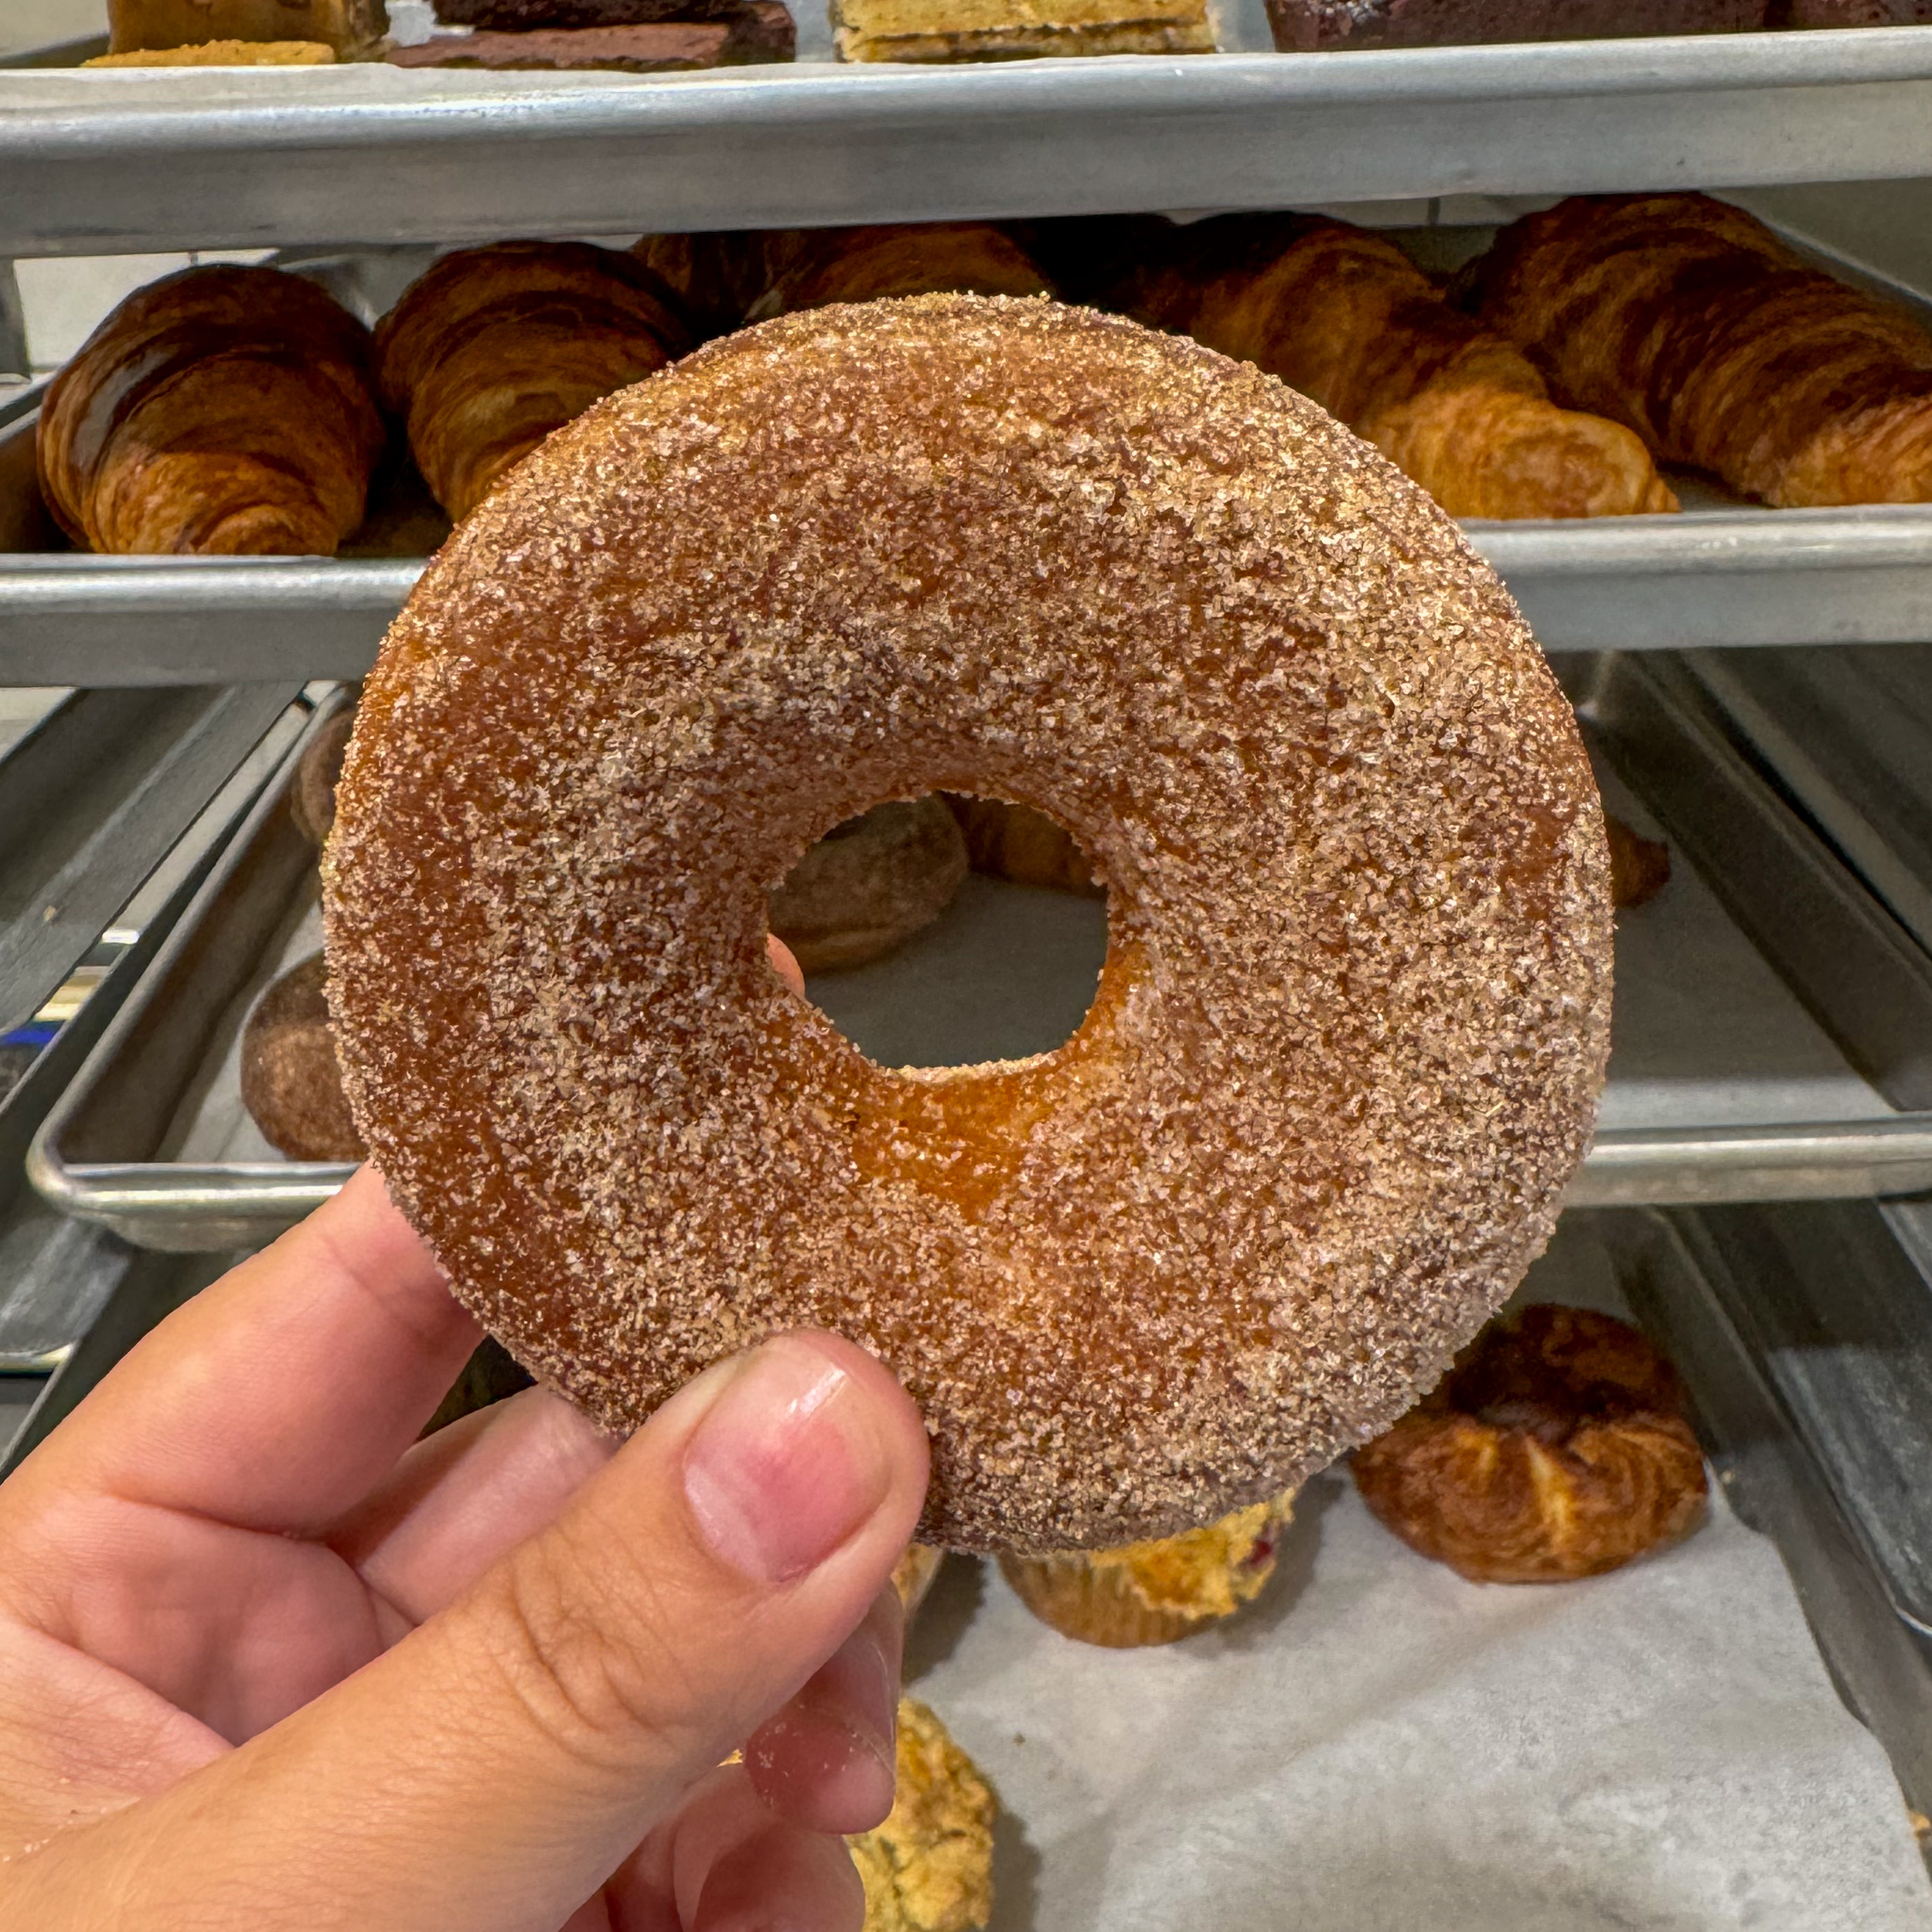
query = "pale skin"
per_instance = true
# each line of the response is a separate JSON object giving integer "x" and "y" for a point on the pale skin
{"x": 268, "y": 1661}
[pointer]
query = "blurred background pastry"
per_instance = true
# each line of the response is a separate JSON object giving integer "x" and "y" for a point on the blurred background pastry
{"x": 1640, "y": 867}
{"x": 716, "y": 276}
{"x": 1157, "y": 1591}
{"x": 939, "y": 30}
{"x": 1689, "y": 320}
{"x": 225, "y": 53}
{"x": 1342, "y": 314}
{"x": 808, "y": 268}
{"x": 291, "y": 1083}
{"x": 1008, "y": 841}
{"x": 311, "y": 795}
{"x": 914, "y": 1574}
{"x": 741, "y": 33}
{"x": 928, "y": 1867}
{"x": 1308, "y": 26}
{"x": 869, "y": 884}
{"x": 351, "y": 29}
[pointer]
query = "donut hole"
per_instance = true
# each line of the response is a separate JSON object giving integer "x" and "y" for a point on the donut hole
{"x": 1002, "y": 945}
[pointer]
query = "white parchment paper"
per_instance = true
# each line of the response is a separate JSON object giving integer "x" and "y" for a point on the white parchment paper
{"x": 1379, "y": 1745}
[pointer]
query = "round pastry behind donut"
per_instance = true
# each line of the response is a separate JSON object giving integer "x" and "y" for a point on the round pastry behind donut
{"x": 1347, "y": 1041}
{"x": 311, "y": 796}
{"x": 1556, "y": 1448}
{"x": 290, "y": 1082}
{"x": 1157, "y": 1592}
{"x": 869, "y": 884}
{"x": 1016, "y": 842}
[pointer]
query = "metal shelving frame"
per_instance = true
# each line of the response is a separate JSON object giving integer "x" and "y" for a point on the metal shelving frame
{"x": 102, "y": 163}
{"x": 1708, "y": 579}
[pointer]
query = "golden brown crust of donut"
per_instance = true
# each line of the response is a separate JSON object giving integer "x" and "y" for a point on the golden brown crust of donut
{"x": 291, "y": 1083}
{"x": 1347, "y": 1042}
{"x": 868, "y": 887}
{"x": 1557, "y": 1447}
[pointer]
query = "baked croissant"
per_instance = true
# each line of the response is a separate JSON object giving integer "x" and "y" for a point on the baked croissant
{"x": 811, "y": 267}
{"x": 1689, "y": 320}
{"x": 1016, "y": 842}
{"x": 493, "y": 348}
{"x": 1346, "y": 318}
{"x": 1555, "y": 1447}
{"x": 716, "y": 277}
{"x": 222, "y": 410}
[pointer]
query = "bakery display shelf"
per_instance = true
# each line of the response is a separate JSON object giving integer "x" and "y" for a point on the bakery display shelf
{"x": 1721, "y": 575}
{"x": 111, "y": 162}
{"x": 1847, "y": 739}
{"x": 1725, "y": 1083}
{"x": 1715, "y": 578}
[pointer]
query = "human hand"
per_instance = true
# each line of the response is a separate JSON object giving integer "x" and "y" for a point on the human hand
{"x": 264, "y": 1663}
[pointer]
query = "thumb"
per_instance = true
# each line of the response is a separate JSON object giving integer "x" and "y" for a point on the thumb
{"x": 493, "y": 1769}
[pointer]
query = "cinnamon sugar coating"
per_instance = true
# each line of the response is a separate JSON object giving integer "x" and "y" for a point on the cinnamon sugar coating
{"x": 1349, "y": 1037}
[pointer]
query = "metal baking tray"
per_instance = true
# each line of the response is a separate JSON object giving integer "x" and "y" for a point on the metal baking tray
{"x": 107, "y": 162}
{"x": 1834, "y": 1520}
{"x": 1845, "y": 737}
{"x": 1726, "y": 1084}
{"x": 1801, "y": 1331}
{"x": 126, "y": 1103}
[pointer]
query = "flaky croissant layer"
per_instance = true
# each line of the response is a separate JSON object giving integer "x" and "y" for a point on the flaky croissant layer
{"x": 222, "y": 410}
{"x": 1689, "y": 320}
{"x": 1345, "y": 317}
{"x": 493, "y": 348}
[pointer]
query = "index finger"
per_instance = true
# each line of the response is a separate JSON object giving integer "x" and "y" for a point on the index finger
{"x": 280, "y": 1396}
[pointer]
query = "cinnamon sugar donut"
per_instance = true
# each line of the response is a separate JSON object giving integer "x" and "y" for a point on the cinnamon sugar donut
{"x": 1348, "y": 1038}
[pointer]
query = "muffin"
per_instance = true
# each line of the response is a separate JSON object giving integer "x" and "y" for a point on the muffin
{"x": 928, "y": 1867}
{"x": 1155, "y": 1592}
